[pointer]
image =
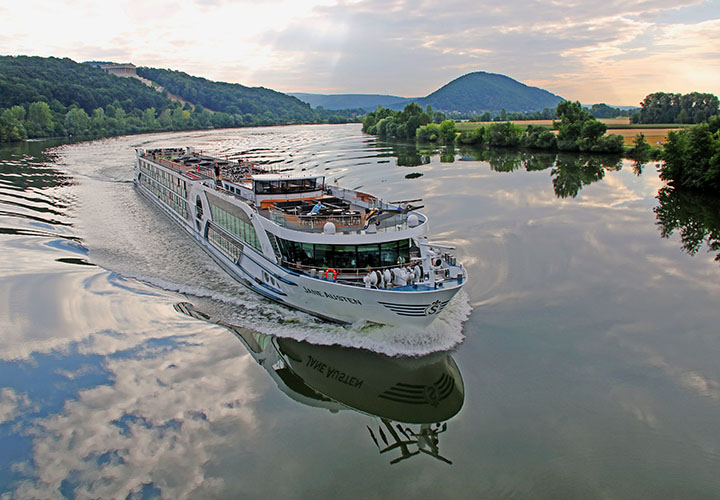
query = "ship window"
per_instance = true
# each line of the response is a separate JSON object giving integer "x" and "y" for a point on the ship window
{"x": 244, "y": 230}
{"x": 344, "y": 256}
{"x": 389, "y": 253}
{"x": 287, "y": 186}
{"x": 324, "y": 255}
{"x": 368, "y": 255}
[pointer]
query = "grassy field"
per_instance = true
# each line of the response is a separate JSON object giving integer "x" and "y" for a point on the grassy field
{"x": 654, "y": 133}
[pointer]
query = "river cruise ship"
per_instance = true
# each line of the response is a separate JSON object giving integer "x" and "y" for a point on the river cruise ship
{"x": 339, "y": 254}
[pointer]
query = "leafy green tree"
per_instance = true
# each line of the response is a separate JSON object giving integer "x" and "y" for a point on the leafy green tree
{"x": 447, "y": 131}
{"x": 180, "y": 119}
{"x": 572, "y": 118}
{"x": 149, "y": 120}
{"x": 39, "y": 119}
{"x": 504, "y": 134}
{"x": 12, "y": 126}
{"x": 604, "y": 111}
{"x": 475, "y": 136}
{"x": 98, "y": 121}
{"x": 692, "y": 157}
{"x": 537, "y": 137}
{"x": 77, "y": 121}
{"x": 663, "y": 107}
{"x": 428, "y": 133}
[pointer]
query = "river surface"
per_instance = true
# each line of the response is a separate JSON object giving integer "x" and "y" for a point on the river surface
{"x": 580, "y": 360}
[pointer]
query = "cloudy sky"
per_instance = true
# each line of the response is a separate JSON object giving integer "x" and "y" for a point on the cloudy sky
{"x": 615, "y": 51}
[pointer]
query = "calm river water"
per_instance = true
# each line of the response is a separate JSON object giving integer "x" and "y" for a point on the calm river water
{"x": 580, "y": 361}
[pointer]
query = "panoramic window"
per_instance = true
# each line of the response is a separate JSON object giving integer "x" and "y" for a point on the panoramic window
{"x": 344, "y": 256}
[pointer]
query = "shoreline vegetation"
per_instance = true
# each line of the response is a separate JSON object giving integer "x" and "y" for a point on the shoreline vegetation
{"x": 577, "y": 130}
{"x": 691, "y": 153}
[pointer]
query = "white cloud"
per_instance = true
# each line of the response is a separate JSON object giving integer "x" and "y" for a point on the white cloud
{"x": 615, "y": 51}
{"x": 11, "y": 404}
{"x": 160, "y": 421}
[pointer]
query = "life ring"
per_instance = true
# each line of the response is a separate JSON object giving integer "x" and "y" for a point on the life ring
{"x": 333, "y": 271}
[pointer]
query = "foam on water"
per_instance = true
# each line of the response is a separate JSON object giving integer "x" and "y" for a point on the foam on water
{"x": 249, "y": 310}
{"x": 443, "y": 334}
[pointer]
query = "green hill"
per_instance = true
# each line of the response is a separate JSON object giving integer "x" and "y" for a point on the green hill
{"x": 471, "y": 93}
{"x": 480, "y": 91}
{"x": 234, "y": 98}
{"x": 44, "y": 97}
{"x": 63, "y": 83}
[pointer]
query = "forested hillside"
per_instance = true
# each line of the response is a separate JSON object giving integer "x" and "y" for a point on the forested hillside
{"x": 63, "y": 83}
{"x": 238, "y": 99}
{"x": 46, "y": 97}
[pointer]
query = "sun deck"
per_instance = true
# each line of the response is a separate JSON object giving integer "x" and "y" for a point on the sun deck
{"x": 298, "y": 202}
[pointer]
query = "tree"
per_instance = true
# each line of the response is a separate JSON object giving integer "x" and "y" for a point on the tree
{"x": 12, "y": 126}
{"x": 447, "y": 131}
{"x": 98, "y": 120}
{"x": 474, "y": 136}
{"x": 504, "y": 134}
{"x": 428, "y": 133}
{"x": 537, "y": 137}
{"x": 663, "y": 107}
{"x": 39, "y": 119}
{"x": 77, "y": 122}
{"x": 692, "y": 157}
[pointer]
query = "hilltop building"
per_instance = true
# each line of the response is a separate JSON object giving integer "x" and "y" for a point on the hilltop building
{"x": 123, "y": 70}
{"x": 126, "y": 71}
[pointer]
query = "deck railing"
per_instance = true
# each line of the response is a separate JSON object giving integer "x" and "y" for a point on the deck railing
{"x": 346, "y": 275}
{"x": 315, "y": 223}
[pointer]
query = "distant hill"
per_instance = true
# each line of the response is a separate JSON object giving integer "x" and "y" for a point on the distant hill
{"x": 471, "y": 93}
{"x": 366, "y": 102}
{"x": 480, "y": 91}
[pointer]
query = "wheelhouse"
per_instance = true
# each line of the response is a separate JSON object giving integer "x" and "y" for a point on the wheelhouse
{"x": 276, "y": 184}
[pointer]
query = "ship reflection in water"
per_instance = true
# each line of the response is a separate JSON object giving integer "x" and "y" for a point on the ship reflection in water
{"x": 412, "y": 397}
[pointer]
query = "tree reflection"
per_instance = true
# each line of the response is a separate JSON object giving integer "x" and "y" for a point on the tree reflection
{"x": 572, "y": 172}
{"x": 30, "y": 165}
{"x": 447, "y": 154}
{"x": 695, "y": 216}
{"x": 408, "y": 154}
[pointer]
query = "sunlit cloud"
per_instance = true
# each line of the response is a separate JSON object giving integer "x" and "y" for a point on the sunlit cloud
{"x": 615, "y": 51}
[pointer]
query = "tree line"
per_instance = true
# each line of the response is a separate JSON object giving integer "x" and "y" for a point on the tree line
{"x": 664, "y": 107}
{"x": 601, "y": 110}
{"x": 578, "y": 130}
{"x": 39, "y": 120}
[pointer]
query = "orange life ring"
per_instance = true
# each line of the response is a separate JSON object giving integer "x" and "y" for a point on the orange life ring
{"x": 333, "y": 271}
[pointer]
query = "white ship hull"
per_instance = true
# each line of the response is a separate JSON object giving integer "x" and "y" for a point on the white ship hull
{"x": 258, "y": 267}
